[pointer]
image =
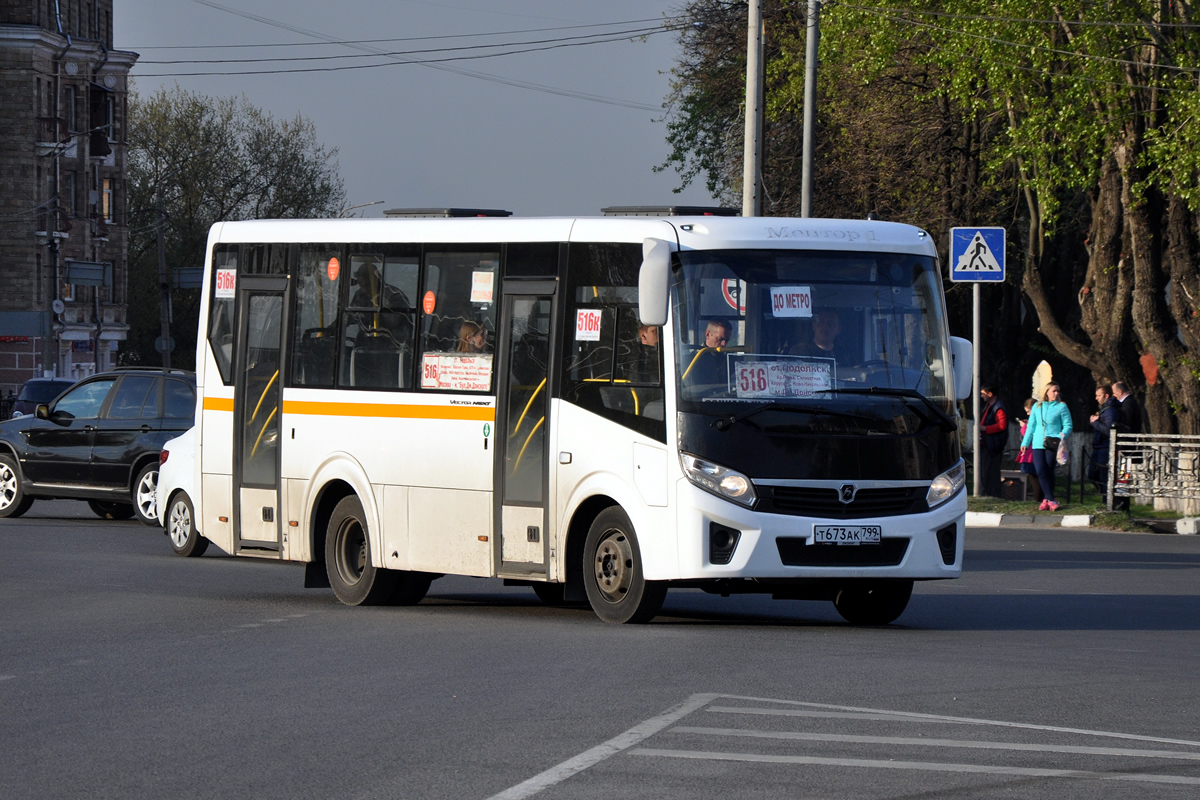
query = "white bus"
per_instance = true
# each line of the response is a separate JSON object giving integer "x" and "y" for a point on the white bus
{"x": 599, "y": 408}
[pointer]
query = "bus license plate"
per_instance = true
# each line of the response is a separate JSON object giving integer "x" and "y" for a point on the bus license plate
{"x": 847, "y": 534}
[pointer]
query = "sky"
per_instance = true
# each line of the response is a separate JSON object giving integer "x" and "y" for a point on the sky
{"x": 565, "y": 130}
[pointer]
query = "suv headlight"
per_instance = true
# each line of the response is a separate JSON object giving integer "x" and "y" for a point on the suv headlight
{"x": 721, "y": 481}
{"x": 944, "y": 486}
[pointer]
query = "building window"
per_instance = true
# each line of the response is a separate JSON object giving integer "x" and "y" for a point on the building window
{"x": 67, "y": 200}
{"x": 69, "y": 109}
{"x": 110, "y": 117}
{"x": 106, "y": 200}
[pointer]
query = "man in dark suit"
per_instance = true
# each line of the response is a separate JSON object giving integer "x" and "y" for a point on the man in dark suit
{"x": 1129, "y": 413}
{"x": 1129, "y": 420}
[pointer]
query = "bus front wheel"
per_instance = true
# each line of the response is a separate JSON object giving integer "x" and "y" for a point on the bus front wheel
{"x": 877, "y": 603}
{"x": 348, "y": 558}
{"x": 612, "y": 571}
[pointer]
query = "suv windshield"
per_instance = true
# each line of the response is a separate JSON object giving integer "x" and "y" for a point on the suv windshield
{"x": 807, "y": 333}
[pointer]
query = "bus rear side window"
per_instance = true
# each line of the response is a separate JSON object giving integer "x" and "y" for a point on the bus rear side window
{"x": 220, "y": 310}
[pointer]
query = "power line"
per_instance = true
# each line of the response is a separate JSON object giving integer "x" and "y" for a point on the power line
{"x": 669, "y": 20}
{"x": 613, "y": 36}
{"x": 529, "y": 85}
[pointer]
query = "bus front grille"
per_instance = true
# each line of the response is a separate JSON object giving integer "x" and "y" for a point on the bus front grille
{"x": 806, "y": 501}
{"x": 794, "y": 552}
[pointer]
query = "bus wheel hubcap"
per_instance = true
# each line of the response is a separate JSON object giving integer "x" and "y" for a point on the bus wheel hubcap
{"x": 614, "y": 566}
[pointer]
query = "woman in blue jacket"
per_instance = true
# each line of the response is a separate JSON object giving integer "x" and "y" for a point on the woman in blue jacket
{"x": 1050, "y": 419}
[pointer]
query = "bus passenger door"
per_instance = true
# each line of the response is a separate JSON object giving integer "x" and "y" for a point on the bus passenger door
{"x": 261, "y": 316}
{"x": 522, "y": 457}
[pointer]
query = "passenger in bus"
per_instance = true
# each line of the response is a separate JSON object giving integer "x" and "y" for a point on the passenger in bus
{"x": 472, "y": 338}
{"x": 717, "y": 333}
{"x": 645, "y": 367}
{"x": 826, "y": 325}
{"x": 708, "y": 366}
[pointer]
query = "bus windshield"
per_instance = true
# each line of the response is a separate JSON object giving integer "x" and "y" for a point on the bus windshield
{"x": 856, "y": 338}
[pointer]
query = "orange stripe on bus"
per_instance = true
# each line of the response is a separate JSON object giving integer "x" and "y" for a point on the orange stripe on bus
{"x": 384, "y": 410}
{"x": 481, "y": 413}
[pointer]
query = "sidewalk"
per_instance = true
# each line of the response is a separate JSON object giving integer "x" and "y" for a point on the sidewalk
{"x": 983, "y": 519}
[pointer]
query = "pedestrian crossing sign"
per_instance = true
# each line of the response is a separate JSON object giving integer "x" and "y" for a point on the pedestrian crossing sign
{"x": 977, "y": 254}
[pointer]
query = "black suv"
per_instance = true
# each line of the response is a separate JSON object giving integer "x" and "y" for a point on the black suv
{"x": 100, "y": 441}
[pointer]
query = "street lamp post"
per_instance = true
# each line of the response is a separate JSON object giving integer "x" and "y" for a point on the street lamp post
{"x": 810, "y": 104}
{"x": 752, "y": 153}
{"x": 346, "y": 211}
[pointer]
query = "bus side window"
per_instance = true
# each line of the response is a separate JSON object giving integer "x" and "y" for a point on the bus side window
{"x": 609, "y": 366}
{"x": 458, "y": 326}
{"x": 379, "y": 324}
{"x": 318, "y": 276}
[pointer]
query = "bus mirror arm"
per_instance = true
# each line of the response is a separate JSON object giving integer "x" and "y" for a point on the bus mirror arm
{"x": 653, "y": 280}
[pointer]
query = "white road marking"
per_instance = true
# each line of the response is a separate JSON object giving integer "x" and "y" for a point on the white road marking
{"x": 7, "y": 677}
{"x": 924, "y": 766}
{"x": 913, "y": 715}
{"x": 627, "y": 741}
{"x": 797, "y": 712}
{"x": 974, "y": 745}
{"x": 600, "y": 752}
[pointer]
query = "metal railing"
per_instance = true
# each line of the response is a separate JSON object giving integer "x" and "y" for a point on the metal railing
{"x": 1153, "y": 465}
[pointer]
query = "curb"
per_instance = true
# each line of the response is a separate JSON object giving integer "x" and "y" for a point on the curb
{"x": 982, "y": 519}
{"x": 1188, "y": 526}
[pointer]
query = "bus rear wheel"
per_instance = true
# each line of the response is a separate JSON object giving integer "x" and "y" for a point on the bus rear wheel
{"x": 348, "y": 558}
{"x": 877, "y": 603}
{"x": 612, "y": 571}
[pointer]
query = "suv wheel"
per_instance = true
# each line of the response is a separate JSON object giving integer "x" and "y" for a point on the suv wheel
{"x": 13, "y": 502}
{"x": 145, "y": 506}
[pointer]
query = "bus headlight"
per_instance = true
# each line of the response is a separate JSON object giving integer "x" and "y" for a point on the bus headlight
{"x": 721, "y": 481}
{"x": 944, "y": 486}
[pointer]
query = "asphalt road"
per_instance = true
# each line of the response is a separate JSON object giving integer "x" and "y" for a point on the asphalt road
{"x": 1063, "y": 664}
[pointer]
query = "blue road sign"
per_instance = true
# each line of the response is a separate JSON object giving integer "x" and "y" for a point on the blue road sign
{"x": 977, "y": 254}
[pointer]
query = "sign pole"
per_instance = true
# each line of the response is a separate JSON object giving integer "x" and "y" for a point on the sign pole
{"x": 977, "y": 341}
{"x": 977, "y": 255}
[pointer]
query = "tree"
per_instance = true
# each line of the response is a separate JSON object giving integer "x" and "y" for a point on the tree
{"x": 1075, "y": 123}
{"x": 209, "y": 159}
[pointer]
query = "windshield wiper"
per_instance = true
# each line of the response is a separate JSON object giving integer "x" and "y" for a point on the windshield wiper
{"x": 725, "y": 423}
{"x": 941, "y": 415}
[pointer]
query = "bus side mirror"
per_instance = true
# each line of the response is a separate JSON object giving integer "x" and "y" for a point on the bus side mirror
{"x": 42, "y": 411}
{"x": 962, "y": 354}
{"x": 653, "y": 280}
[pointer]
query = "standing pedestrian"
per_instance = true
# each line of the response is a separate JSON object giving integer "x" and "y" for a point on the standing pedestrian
{"x": 1129, "y": 420}
{"x": 1049, "y": 424}
{"x": 1102, "y": 422}
{"x": 1025, "y": 457}
{"x": 993, "y": 436}
{"x": 1129, "y": 412}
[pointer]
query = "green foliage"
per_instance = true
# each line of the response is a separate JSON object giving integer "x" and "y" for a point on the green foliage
{"x": 209, "y": 159}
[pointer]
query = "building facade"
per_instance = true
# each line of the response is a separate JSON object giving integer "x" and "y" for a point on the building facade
{"x": 63, "y": 219}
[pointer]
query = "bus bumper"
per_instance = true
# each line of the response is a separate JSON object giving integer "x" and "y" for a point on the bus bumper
{"x": 924, "y": 546}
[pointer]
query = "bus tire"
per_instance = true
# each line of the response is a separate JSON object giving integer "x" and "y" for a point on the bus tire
{"x": 13, "y": 500}
{"x": 877, "y": 603}
{"x": 107, "y": 509}
{"x": 353, "y": 579}
{"x": 612, "y": 571}
{"x": 145, "y": 504}
{"x": 181, "y": 530}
